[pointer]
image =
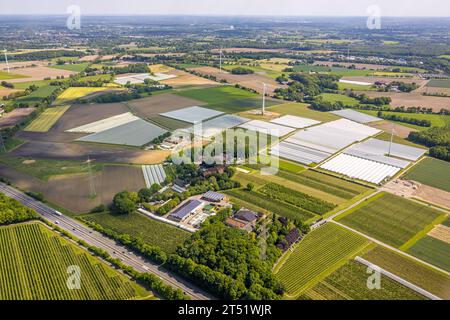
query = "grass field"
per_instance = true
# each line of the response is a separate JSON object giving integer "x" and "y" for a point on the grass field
{"x": 7, "y": 76}
{"x": 410, "y": 270}
{"x": 38, "y": 95}
{"x": 264, "y": 204}
{"x": 34, "y": 265}
{"x": 326, "y": 183}
{"x": 71, "y": 94}
{"x": 78, "y": 67}
{"x": 150, "y": 231}
{"x": 44, "y": 169}
{"x": 303, "y": 110}
{"x": 388, "y": 218}
{"x": 349, "y": 282}
{"x": 433, "y": 251}
{"x": 321, "y": 252}
{"x": 227, "y": 98}
{"x": 332, "y": 97}
{"x": 436, "y": 120}
{"x": 47, "y": 119}
{"x": 432, "y": 172}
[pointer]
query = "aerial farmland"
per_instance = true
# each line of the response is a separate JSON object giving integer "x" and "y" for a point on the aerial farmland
{"x": 234, "y": 158}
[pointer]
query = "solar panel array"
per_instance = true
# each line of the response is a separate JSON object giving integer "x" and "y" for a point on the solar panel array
{"x": 355, "y": 116}
{"x": 153, "y": 174}
{"x": 272, "y": 129}
{"x": 315, "y": 144}
{"x": 359, "y": 168}
{"x": 193, "y": 114}
{"x": 295, "y": 122}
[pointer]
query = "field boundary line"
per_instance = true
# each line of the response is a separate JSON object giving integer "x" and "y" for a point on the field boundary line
{"x": 357, "y": 205}
{"x": 422, "y": 233}
{"x": 394, "y": 249}
{"x": 398, "y": 279}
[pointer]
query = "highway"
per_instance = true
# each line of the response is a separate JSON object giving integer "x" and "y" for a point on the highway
{"x": 98, "y": 240}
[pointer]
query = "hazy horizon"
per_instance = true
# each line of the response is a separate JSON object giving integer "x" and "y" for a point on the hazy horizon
{"x": 292, "y": 8}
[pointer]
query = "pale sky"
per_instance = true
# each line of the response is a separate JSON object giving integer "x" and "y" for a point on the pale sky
{"x": 397, "y": 8}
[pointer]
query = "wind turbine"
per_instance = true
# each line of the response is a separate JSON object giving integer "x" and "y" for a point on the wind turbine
{"x": 264, "y": 98}
{"x": 6, "y": 59}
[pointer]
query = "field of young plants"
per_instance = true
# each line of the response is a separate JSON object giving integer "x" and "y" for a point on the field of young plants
{"x": 34, "y": 265}
{"x": 296, "y": 198}
{"x": 349, "y": 282}
{"x": 321, "y": 252}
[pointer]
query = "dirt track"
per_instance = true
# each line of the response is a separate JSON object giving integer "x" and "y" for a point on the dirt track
{"x": 387, "y": 126}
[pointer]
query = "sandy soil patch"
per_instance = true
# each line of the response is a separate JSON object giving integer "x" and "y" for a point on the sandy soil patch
{"x": 387, "y": 126}
{"x": 39, "y": 73}
{"x": 252, "y": 81}
{"x": 256, "y": 115}
{"x": 440, "y": 232}
{"x": 88, "y": 58}
{"x": 7, "y": 91}
{"x": 414, "y": 189}
{"x": 15, "y": 67}
{"x": 29, "y": 161}
{"x": 166, "y": 102}
{"x": 15, "y": 116}
{"x": 160, "y": 68}
{"x": 413, "y": 100}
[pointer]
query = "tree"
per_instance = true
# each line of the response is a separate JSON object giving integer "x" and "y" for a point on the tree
{"x": 125, "y": 202}
{"x": 250, "y": 186}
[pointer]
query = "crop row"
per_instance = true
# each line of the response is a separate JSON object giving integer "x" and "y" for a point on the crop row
{"x": 296, "y": 198}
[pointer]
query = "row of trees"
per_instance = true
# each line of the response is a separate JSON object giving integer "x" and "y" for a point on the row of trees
{"x": 307, "y": 86}
{"x": 394, "y": 117}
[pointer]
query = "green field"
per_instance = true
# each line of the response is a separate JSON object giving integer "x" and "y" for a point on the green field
{"x": 44, "y": 169}
{"x": 311, "y": 68}
{"x": 410, "y": 270}
{"x": 227, "y": 98}
{"x": 389, "y": 218}
{"x": 326, "y": 183}
{"x": 34, "y": 265}
{"x": 47, "y": 119}
{"x": 432, "y": 172}
{"x": 38, "y": 95}
{"x": 7, "y": 76}
{"x": 152, "y": 232}
{"x": 77, "y": 67}
{"x": 332, "y": 97}
{"x": 303, "y": 110}
{"x": 264, "y": 204}
{"x": 437, "y": 83}
{"x": 320, "y": 253}
{"x": 349, "y": 282}
{"x": 433, "y": 251}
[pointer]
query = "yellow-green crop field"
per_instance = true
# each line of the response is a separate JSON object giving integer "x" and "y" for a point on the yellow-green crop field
{"x": 74, "y": 93}
{"x": 34, "y": 264}
{"x": 47, "y": 119}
